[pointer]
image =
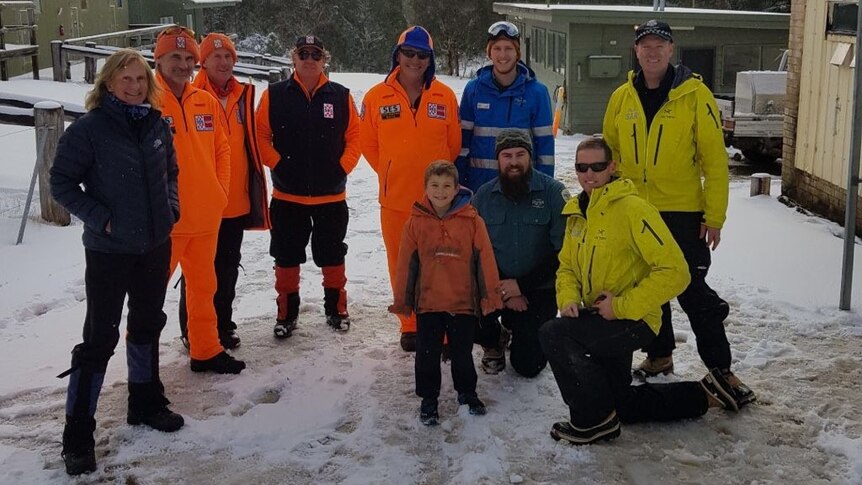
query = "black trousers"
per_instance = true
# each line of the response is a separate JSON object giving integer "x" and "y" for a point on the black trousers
{"x": 591, "y": 359}
{"x": 460, "y": 329}
{"x": 706, "y": 311}
{"x": 108, "y": 279}
{"x": 227, "y": 261}
{"x": 526, "y": 355}
{"x": 293, "y": 224}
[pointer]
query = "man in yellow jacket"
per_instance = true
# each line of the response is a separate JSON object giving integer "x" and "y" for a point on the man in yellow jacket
{"x": 408, "y": 121}
{"x": 664, "y": 128}
{"x": 618, "y": 264}
{"x": 203, "y": 155}
{"x": 247, "y": 197}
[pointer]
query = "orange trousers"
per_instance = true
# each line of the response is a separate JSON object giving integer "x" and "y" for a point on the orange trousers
{"x": 392, "y": 225}
{"x": 196, "y": 255}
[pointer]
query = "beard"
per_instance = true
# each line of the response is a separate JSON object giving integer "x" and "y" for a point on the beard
{"x": 515, "y": 184}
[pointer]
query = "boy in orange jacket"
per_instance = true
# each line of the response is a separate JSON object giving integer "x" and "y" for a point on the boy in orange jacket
{"x": 447, "y": 276}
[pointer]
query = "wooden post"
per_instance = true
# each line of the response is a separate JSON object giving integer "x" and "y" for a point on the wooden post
{"x": 258, "y": 59}
{"x": 760, "y": 183}
{"x": 31, "y": 21}
{"x": 48, "y": 119}
{"x": 57, "y": 61}
{"x": 89, "y": 65}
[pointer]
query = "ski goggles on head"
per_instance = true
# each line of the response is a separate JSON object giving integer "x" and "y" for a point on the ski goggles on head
{"x": 503, "y": 29}
{"x": 595, "y": 167}
{"x": 177, "y": 30}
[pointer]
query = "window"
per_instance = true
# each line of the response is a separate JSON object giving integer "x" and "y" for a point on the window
{"x": 842, "y": 17}
{"x": 557, "y": 52}
{"x": 538, "y": 48}
{"x": 83, "y": 4}
{"x": 739, "y": 58}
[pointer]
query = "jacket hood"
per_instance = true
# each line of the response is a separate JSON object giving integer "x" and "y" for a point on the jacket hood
{"x": 460, "y": 203}
{"x": 614, "y": 190}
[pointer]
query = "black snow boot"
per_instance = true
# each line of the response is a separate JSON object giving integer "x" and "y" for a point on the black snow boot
{"x": 222, "y": 363}
{"x": 284, "y": 327}
{"x": 338, "y": 320}
{"x": 477, "y": 407}
{"x": 79, "y": 453}
{"x": 428, "y": 412}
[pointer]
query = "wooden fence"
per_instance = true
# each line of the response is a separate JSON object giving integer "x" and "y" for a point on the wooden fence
{"x": 13, "y": 51}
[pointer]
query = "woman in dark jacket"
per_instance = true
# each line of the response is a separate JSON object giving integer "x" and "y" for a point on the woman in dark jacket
{"x": 122, "y": 153}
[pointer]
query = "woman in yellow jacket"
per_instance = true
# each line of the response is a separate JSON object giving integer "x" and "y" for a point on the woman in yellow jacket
{"x": 618, "y": 265}
{"x": 408, "y": 121}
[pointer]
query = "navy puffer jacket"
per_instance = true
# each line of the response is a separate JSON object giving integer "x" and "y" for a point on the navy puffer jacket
{"x": 129, "y": 174}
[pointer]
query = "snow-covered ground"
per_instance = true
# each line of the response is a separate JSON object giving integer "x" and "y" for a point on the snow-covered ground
{"x": 325, "y": 408}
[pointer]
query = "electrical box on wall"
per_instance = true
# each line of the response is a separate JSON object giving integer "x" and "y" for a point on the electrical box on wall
{"x": 604, "y": 66}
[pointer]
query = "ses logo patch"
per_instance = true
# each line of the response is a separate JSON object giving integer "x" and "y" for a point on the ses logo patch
{"x": 390, "y": 111}
{"x": 204, "y": 122}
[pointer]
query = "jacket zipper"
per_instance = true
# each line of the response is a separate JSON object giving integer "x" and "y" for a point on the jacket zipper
{"x": 635, "y": 138}
{"x": 657, "y": 144}
{"x": 509, "y": 113}
{"x": 590, "y": 272}
{"x": 386, "y": 179}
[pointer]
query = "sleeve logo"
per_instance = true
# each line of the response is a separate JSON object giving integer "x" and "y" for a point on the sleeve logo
{"x": 436, "y": 110}
{"x": 204, "y": 122}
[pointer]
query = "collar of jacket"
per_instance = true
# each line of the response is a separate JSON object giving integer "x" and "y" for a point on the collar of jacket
{"x": 115, "y": 111}
{"x": 460, "y": 206}
{"x": 684, "y": 82}
{"x": 202, "y": 81}
{"x": 188, "y": 89}
{"x": 525, "y": 75}
{"x": 392, "y": 80}
{"x": 614, "y": 190}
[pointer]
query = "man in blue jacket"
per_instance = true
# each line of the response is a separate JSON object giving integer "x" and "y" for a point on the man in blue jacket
{"x": 504, "y": 94}
{"x": 523, "y": 211}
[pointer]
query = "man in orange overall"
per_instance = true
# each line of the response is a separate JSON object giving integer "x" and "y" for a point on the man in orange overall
{"x": 247, "y": 197}
{"x": 408, "y": 121}
{"x": 203, "y": 156}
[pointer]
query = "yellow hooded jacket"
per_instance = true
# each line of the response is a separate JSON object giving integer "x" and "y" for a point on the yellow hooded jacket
{"x": 684, "y": 143}
{"x": 621, "y": 246}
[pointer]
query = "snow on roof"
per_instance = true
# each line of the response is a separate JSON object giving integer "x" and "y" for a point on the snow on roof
{"x": 213, "y": 3}
{"x": 636, "y": 8}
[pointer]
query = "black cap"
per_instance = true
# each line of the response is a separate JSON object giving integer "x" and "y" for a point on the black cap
{"x": 309, "y": 41}
{"x": 653, "y": 27}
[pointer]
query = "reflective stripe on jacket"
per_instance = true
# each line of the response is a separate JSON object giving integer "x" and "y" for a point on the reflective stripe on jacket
{"x": 684, "y": 143}
{"x": 399, "y": 144}
{"x": 621, "y": 246}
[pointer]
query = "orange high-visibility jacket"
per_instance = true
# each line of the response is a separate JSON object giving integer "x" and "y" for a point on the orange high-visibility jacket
{"x": 203, "y": 155}
{"x": 248, "y": 192}
{"x": 399, "y": 144}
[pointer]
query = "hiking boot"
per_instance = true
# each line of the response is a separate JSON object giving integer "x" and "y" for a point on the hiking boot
{"x": 428, "y": 412}
{"x": 284, "y": 328}
{"x": 653, "y": 366}
{"x": 741, "y": 392}
{"x": 339, "y": 323}
{"x": 222, "y": 363}
{"x": 408, "y": 341}
{"x": 162, "y": 420}
{"x": 79, "y": 445}
{"x": 715, "y": 384}
{"x": 78, "y": 462}
{"x": 493, "y": 360}
{"x": 229, "y": 339}
{"x": 477, "y": 407}
{"x": 604, "y": 431}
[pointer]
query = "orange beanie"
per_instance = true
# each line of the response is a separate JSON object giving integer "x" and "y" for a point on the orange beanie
{"x": 169, "y": 42}
{"x": 215, "y": 41}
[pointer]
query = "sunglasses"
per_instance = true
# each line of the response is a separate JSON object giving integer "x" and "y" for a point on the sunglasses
{"x": 506, "y": 29}
{"x": 177, "y": 30}
{"x": 314, "y": 54}
{"x": 410, "y": 54}
{"x": 595, "y": 167}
